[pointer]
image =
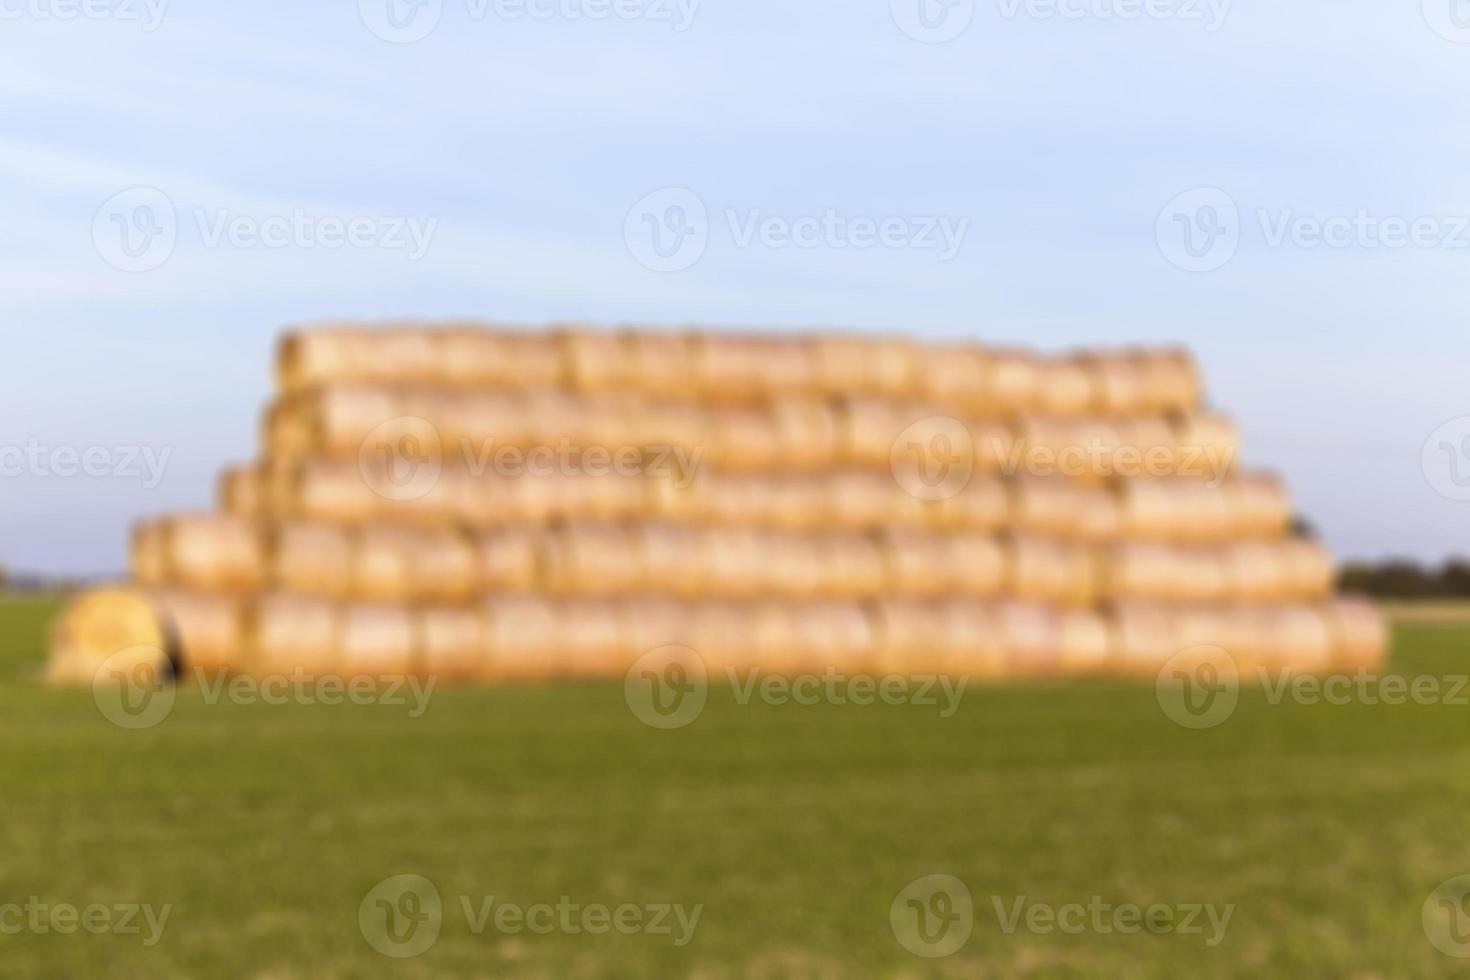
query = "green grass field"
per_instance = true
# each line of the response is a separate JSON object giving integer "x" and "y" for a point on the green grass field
{"x": 264, "y": 827}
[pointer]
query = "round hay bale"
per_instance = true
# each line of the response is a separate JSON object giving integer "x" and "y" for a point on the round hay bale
{"x": 983, "y": 505}
{"x": 483, "y": 426}
{"x": 383, "y": 566}
{"x": 808, "y": 433}
{"x": 1032, "y": 637}
{"x": 662, "y": 424}
{"x": 916, "y": 564}
{"x": 475, "y": 357}
{"x": 1257, "y": 570}
{"x": 595, "y": 360}
{"x": 802, "y": 567}
{"x": 148, "y": 554}
{"x": 472, "y": 357}
{"x": 727, "y": 637}
{"x": 523, "y": 637}
{"x": 1208, "y": 446}
{"x": 1146, "y": 447}
{"x": 669, "y": 558}
{"x": 593, "y": 638}
{"x": 453, "y": 644}
{"x": 910, "y": 636}
{"x": 378, "y": 641}
{"x": 745, "y": 439}
{"x": 955, "y": 375}
{"x": 307, "y": 358}
{"x": 853, "y": 565}
{"x": 1261, "y": 502}
{"x": 795, "y": 502}
{"x": 1051, "y": 570}
{"x": 1064, "y": 388}
{"x": 1171, "y": 378}
{"x": 862, "y": 500}
{"x": 734, "y": 562}
{"x": 684, "y": 500}
{"x": 327, "y": 491}
{"x": 1014, "y": 385}
{"x": 1201, "y": 575}
{"x": 976, "y": 564}
{"x": 313, "y": 559}
{"x": 212, "y": 552}
{"x": 974, "y": 642}
{"x": 119, "y": 630}
{"x": 1303, "y": 639}
{"x": 207, "y": 632}
{"x": 397, "y": 354}
{"x": 655, "y": 622}
{"x": 1140, "y": 570}
{"x": 1084, "y": 643}
{"x": 740, "y": 367}
{"x": 831, "y": 635}
{"x": 1145, "y": 637}
{"x": 1360, "y": 635}
{"x": 876, "y": 364}
{"x": 1119, "y": 384}
{"x": 661, "y": 362}
{"x": 286, "y": 634}
{"x": 508, "y": 559}
{"x": 583, "y": 558}
{"x": 1310, "y": 572}
{"x": 239, "y": 492}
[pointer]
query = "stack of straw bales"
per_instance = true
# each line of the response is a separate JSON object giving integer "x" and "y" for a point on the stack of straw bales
{"x": 484, "y": 504}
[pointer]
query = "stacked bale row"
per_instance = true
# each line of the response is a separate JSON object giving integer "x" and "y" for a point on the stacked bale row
{"x": 792, "y": 504}
{"x": 734, "y": 368}
{"x": 786, "y": 433}
{"x": 1251, "y": 506}
{"x": 507, "y": 638}
{"x": 404, "y": 563}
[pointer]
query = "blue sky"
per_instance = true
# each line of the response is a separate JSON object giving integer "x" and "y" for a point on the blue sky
{"x": 519, "y": 139}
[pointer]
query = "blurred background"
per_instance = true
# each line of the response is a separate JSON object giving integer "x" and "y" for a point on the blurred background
{"x": 1281, "y": 187}
{"x": 1275, "y": 186}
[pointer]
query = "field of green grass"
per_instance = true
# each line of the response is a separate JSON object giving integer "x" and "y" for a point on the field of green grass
{"x": 264, "y": 827}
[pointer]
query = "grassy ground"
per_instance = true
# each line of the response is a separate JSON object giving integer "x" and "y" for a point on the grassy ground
{"x": 263, "y": 827}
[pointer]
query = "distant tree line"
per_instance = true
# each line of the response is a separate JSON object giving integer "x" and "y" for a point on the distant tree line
{"x": 1400, "y": 578}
